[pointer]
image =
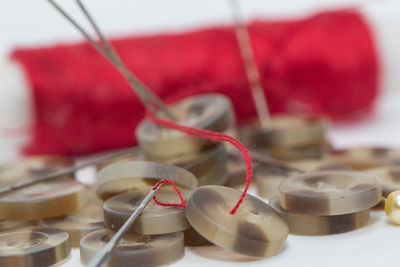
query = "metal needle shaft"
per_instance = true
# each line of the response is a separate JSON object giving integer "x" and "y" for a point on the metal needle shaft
{"x": 104, "y": 254}
{"x": 117, "y": 60}
{"x": 29, "y": 181}
{"x": 105, "y": 48}
{"x": 269, "y": 162}
{"x": 253, "y": 74}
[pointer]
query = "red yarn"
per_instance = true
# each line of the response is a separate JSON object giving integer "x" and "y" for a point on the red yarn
{"x": 324, "y": 64}
{"x": 213, "y": 136}
{"x": 183, "y": 205}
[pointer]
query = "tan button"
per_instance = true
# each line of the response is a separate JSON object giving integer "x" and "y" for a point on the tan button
{"x": 140, "y": 176}
{"x": 139, "y": 156}
{"x": 212, "y": 112}
{"x": 287, "y": 131}
{"x": 209, "y": 166}
{"x": 33, "y": 167}
{"x": 267, "y": 182}
{"x": 254, "y": 230}
{"x": 237, "y": 169}
{"x": 300, "y": 152}
{"x": 134, "y": 250}
{"x": 194, "y": 239}
{"x": 362, "y": 158}
{"x": 153, "y": 220}
{"x": 389, "y": 178}
{"x": 301, "y": 224}
{"x": 329, "y": 192}
{"x": 55, "y": 198}
{"x": 79, "y": 224}
{"x": 33, "y": 247}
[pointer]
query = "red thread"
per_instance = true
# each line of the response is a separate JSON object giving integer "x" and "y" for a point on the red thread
{"x": 183, "y": 205}
{"x": 213, "y": 136}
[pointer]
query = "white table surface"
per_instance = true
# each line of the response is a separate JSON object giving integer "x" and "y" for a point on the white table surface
{"x": 33, "y": 22}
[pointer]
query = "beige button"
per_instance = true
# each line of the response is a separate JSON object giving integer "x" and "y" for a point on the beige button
{"x": 55, "y": 198}
{"x": 287, "y": 131}
{"x": 254, "y": 230}
{"x": 33, "y": 247}
{"x": 329, "y": 192}
{"x": 134, "y": 250}
{"x": 302, "y": 224}
{"x": 212, "y": 112}
{"x": 79, "y": 224}
{"x": 140, "y": 176}
{"x": 33, "y": 167}
{"x": 153, "y": 220}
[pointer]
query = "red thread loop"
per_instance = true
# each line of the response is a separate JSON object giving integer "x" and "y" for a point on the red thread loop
{"x": 213, "y": 136}
{"x": 183, "y": 205}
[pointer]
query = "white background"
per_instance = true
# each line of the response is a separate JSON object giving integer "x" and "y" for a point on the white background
{"x": 34, "y": 22}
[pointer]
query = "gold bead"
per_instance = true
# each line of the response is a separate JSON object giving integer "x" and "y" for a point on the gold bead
{"x": 392, "y": 207}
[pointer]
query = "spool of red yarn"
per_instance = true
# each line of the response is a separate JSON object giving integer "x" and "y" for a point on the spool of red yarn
{"x": 325, "y": 64}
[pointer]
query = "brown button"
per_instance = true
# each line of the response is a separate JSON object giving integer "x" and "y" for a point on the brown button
{"x": 33, "y": 247}
{"x": 140, "y": 176}
{"x": 55, "y": 198}
{"x": 254, "y": 230}
{"x": 209, "y": 166}
{"x": 33, "y": 167}
{"x": 153, "y": 220}
{"x": 329, "y": 192}
{"x": 212, "y": 112}
{"x": 134, "y": 250}
{"x": 362, "y": 158}
{"x": 287, "y": 131}
{"x": 79, "y": 224}
{"x": 302, "y": 224}
{"x": 389, "y": 177}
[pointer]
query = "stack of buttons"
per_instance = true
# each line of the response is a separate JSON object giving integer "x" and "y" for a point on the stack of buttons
{"x": 327, "y": 202}
{"x": 205, "y": 159}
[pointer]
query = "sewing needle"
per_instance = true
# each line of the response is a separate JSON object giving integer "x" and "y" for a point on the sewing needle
{"x": 102, "y": 256}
